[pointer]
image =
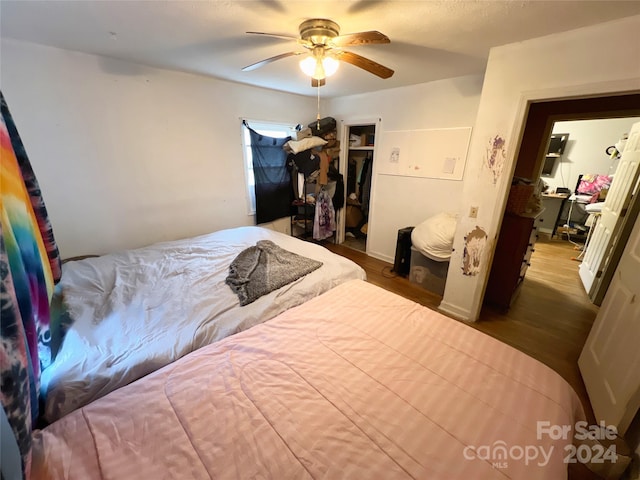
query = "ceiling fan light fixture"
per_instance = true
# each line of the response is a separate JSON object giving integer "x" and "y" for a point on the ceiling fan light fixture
{"x": 319, "y": 68}
{"x": 309, "y": 65}
{"x": 330, "y": 65}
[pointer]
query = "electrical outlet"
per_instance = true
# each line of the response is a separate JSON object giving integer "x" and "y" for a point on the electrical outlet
{"x": 473, "y": 212}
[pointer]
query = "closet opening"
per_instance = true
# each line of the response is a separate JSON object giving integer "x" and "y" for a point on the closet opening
{"x": 360, "y": 141}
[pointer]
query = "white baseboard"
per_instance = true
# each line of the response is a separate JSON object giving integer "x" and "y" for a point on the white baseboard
{"x": 380, "y": 256}
{"x": 454, "y": 311}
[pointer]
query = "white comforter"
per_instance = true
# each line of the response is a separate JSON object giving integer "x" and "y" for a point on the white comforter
{"x": 138, "y": 310}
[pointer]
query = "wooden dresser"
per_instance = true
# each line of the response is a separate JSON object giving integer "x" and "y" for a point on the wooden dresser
{"x": 511, "y": 259}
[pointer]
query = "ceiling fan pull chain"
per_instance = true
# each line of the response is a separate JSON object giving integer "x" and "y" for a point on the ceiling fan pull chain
{"x": 318, "y": 117}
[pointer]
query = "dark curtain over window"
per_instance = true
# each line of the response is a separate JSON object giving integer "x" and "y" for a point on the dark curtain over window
{"x": 273, "y": 182}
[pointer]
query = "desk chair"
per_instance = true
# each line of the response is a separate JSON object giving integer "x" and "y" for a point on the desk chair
{"x": 595, "y": 212}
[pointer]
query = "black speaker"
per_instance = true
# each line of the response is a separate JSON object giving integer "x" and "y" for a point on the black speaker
{"x": 402, "y": 262}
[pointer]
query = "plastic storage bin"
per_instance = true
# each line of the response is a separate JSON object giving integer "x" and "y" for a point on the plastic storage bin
{"x": 427, "y": 273}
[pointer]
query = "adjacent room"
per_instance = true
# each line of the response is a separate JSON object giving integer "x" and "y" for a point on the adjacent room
{"x": 362, "y": 239}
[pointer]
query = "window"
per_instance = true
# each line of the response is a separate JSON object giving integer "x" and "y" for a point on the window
{"x": 269, "y": 129}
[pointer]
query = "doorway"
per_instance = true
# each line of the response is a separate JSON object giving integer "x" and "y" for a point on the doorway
{"x": 358, "y": 150}
{"x": 577, "y": 177}
{"x": 541, "y": 123}
{"x": 552, "y": 313}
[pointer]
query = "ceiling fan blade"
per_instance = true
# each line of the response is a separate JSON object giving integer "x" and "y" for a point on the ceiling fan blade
{"x": 277, "y": 35}
{"x": 361, "y": 38}
{"x": 318, "y": 83}
{"x": 261, "y": 63}
{"x": 366, "y": 64}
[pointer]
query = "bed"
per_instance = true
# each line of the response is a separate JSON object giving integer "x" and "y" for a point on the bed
{"x": 355, "y": 383}
{"x": 135, "y": 311}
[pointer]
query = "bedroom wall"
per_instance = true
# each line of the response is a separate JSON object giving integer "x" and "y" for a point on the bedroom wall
{"x": 585, "y": 152}
{"x": 597, "y": 60}
{"x": 397, "y": 201}
{"x": 128, "y": 155}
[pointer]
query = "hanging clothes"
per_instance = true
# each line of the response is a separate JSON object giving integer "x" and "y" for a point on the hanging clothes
{"x": 365, "y": 187}
{"x": 272, "y": 179}
{"x": 338, "y": 196}
{"x": 324, "y": 168}
{"x": 297, "y": 181}
{"x": 307, "y": 161}
{"x": 364, "y": 178}
{"x": 352, "y": 176}
{"x": 324, "y": 223}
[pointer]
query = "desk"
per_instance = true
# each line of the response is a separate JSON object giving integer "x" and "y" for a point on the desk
{"x": 553, "y": 205}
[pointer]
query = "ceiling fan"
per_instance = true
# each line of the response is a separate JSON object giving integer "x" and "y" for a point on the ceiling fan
{"x": 323, "y": 42}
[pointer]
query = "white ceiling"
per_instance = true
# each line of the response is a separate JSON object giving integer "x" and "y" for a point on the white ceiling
{"x": 430, "y": 40}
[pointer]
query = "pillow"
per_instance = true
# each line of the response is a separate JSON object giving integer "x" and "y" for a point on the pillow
{"x": 297, "y": 146}
{"x": 434, "y": 237}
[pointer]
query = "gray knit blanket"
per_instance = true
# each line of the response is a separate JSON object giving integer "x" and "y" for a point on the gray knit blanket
{"x": 265, "y": 267}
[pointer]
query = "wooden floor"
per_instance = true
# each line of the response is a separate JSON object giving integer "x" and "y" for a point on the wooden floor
{"x": 549, "y": 320}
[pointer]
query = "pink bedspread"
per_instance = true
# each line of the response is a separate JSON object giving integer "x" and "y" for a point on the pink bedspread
{"x": 357, "y": 383}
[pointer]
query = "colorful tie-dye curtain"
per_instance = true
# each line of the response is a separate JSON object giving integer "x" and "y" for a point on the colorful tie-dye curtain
{"x": 29, "y": 266}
